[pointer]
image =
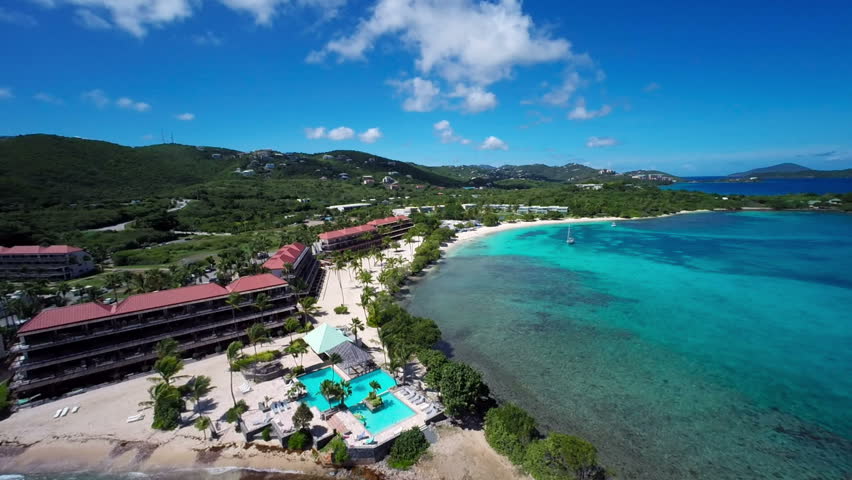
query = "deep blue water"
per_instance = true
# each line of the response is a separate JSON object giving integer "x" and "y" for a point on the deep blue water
{"x": 710, "y": 345}
{"x": 768, "y": 186}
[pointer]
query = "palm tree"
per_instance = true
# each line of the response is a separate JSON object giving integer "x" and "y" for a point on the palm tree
{"x": 62, "y": 289}
{"x": 112, "y": 281}
{"x": 202, "y": 424}
{"x": 333, "y": 360}
{"x": 234, "y": 301}
{"x": 329, "y": 389}
{"x": 339, "y": 265}
{"x": 354, "y": 326}
{"x": 298, "y": 347}
{"x": 262, "y": 303}
{"x": 308, "y": 306}
{"x": 375, "y": 386}
{"x": 199, "y": 388}
{"x": 257, "y": 334}
{"x": 168, "y": 347}
{"x": 167, "y": 368}
{"x": 365, "y": 278}
{"x": 367, "y": 295}
{"x": 344, "y": 390}
{"x": 291, "y": 325}
{"x": 233, "y": 353}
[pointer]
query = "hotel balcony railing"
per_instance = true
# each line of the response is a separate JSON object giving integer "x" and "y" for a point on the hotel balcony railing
{"x": 31, "y": 384}
{"x": 29, "y": 364}
{"x": 135, "y": 325}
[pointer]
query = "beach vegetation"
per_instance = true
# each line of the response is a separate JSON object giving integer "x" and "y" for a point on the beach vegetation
{"x": 297, "y": 370}
{"x": 461, "y": 387}
{"x": 232, "y": 354}
{"x": 168, "y": 347}
{"x": 203, "y": 423}
{"x": 561, "y": 456}
{"x": 308, "y": 306}
{"x": 266, "y": 433}
{"x": 234, "y": 414}
{"x": 356, "y": 325}
{"x": 167, "y": 405}
{"x": 341, "y": 309}
{"x": 291, "y": 325}
{"x": 407, "y": 449}
{"x": 198, "y": 388}
{"x": 339, "y": 452}
{"x": 5, "y": 401}
{"x": 303, "y": 416}
{"x": 167, "y": 368}
{"x": 244, "y": 361}
{"x": 257, "y": 334}
{"x": 431, "y": 358}
{"x": 510, "y": 430}
{"x": 301, "y": 440}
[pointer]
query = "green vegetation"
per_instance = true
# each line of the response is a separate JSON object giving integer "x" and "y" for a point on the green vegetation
{"x": 234, "y": 414}
{"x": 244, "y": 361}
{"x": 510, "y": 430}
{"x": 5, "y": 401}
{"x": 302, "y": 416}
{"x": 203, "y": 424}
{"x": 338, "y": 450}
{"x": 341, "y": 310}
{"x": 407, "y": 449}
{"x": 300, "y": 440}
{"x": 563, "y": 457}
{"x": 266, "y": 433}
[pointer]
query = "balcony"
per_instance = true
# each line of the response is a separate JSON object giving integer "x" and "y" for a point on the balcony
{"x": 30, "y": 365}
{"x": 99, "y": 332}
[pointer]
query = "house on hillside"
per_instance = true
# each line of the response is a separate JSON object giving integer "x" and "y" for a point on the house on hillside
{"x": 367, "y": 180}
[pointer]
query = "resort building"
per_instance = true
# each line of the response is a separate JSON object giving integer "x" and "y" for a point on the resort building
{"x": 65, "y": 348}
{"x": 296, "y": 261}
{"x": 347, "y": 207}
{"x": 56, "y": 262}
{"x": 365, "y": 236}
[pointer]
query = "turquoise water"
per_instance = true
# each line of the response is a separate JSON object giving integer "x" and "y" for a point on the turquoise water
{"x": 360, "y": 386}
{"x": 713, "y": 345}
{"x": 392, "y": 412}
{"x": 770, "y": 186}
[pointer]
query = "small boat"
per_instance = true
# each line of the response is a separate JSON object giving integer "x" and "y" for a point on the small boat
{"x": 570, "y": 239}
{"x": 613, "y": 224}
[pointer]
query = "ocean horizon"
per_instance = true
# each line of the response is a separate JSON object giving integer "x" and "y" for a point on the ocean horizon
{"x": 710, "y": 345}
{"x": 769, "y": 186}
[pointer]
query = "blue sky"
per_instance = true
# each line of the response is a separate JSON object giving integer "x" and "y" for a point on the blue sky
{"x": 690, "y": 89}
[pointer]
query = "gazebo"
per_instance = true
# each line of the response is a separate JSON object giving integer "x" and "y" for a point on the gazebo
{"x": 355, "y": 361}
{"x": 324, "y": 338}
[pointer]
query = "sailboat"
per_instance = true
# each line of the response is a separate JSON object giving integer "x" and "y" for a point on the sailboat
{"x": 570, "y": 239}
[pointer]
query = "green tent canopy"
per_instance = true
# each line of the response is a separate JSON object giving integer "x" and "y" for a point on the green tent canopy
{"x": 324, "y": 338}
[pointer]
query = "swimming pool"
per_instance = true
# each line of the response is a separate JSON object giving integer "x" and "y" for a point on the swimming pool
{"x": 393, "y": 411}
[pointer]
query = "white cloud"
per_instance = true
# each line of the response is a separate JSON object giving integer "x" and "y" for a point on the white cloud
{"x": 131, "y": 104}
{"x": 47, "y": 98}
{"x": 371, "y": 135}
{"x": 97, "y": 96}
{"x": 463, "y": 42}
{"x": 208, "y": 38}
{"x": 185, "y": 117}
{"x": 340, "y": 133}
{"x": 87, "y": 19}
{"x": 476, "y": 99}
{"x": 559, "y": 95}
{"x": 446, "y": 134}
{"x": 598, "y": 142}
{"x": 422, "y": 95}
{"x": 148, "y": 136}
{"x": 261, "y": 10}
{"x": 17, "y": 18}
{"x": 493, "y": 143}
{"x": 652, "y": 87}
{"x": 315, "y": 133}
{"x": 580, "y": 112}
{"x": 6, "y": 92}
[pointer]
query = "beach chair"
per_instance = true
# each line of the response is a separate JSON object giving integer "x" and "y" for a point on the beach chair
{"x": 362, "y": 436}
{"x": 245, "y": 388}
{"x": 58, "y": 413}
{"x": 135, "y": 418}
{"x": 74, "y": 410}
{"x": 64, "y": 412}
{"x": 417, "y": 400}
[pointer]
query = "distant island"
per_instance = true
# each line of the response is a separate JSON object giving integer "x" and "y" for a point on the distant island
{"x": 786, "y": 170}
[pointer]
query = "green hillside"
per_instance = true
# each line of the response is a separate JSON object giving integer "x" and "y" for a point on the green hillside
{"x": 791, "y": 170}
{"x": 483, "y": 174}
{"x": 47, "y": 169}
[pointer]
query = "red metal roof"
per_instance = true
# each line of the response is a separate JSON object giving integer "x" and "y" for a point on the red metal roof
{"x": 38, "y": 250}
{"x": 387, "y": 221}
{"x": 286, "y": 254}
{"x": 58, "y": 317}
{"x": 347, "y": 232}
{"x": 255, "y": 282}
{"x": 166, "y": 298}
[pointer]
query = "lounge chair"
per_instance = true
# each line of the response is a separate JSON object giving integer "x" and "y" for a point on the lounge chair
{"x": 135, "y": 418}
{"x": 362, "y": 436}
{"x": 64, "y": 412}
{"x": 417, "y": 400}
{"x": 245, "y": 388}
{"x": 74, "y": 410}
{"x": 426, "y": 406}
{"x": 58, "y": 413}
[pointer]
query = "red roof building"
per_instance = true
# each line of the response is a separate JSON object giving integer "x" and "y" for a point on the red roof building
{"x": 300, "y": 264}
{"x": 69, "y": 347}
{"x": 33, "y": 262}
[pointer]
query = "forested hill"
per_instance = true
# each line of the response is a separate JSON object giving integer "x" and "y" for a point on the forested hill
{"x": 481, "y": 174}
{"x": 792, "y": 170}
{"x": 48, "y": 169}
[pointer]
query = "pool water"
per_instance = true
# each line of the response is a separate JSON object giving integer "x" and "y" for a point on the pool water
{"x": 392, "y": 412}
{"x": 360, "y": 386}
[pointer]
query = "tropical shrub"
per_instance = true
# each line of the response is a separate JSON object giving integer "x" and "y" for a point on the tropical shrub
{"x": 300, "y": 440}
{"x": 461, "y": 387}
{"x": 407, "y": 449}
{"x": 232, "y": 415}
{"x": 265, "y": 356}
{"x": 560, "y": 457}
{"x": 167, "y": 407}
{"x": 302, "y": 416}
{"x": 4, "y": 398}
{"x": 510, "y": 430}
{"x": 266, "y": 433}
{"x": 339, "y": 451}
{"x": 341, "y": 309}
